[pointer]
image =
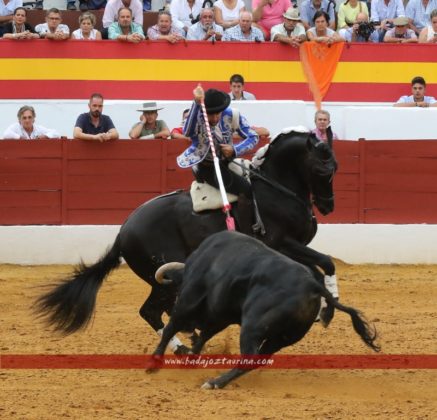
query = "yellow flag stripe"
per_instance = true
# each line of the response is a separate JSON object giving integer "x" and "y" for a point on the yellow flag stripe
{"x": 206, "y": 70}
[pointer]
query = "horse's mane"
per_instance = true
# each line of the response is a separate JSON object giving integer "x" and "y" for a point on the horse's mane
{"x": 262, "y": 152}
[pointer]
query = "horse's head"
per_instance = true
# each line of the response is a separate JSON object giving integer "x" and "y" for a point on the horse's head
{"x": 322, "y": 166}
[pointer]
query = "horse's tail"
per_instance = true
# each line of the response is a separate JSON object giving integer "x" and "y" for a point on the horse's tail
{"x": 70, "y": 305}
{"x": 361, "y": 326}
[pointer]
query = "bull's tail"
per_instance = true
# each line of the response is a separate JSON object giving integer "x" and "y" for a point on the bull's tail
{"x": 170, "y": 273}
{"x": 70, "y": 305}
{"x": 361, "y": 326}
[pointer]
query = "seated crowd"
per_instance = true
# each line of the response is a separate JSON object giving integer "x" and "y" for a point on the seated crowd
{"x": 228, "y": 20}
{"x": 96, "y": 126}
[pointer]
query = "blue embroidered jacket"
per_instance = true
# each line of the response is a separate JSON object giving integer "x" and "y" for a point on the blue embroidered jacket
{"x": 195, "y": 129}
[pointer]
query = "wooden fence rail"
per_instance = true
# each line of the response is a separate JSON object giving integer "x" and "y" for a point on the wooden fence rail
{"x": 73, "y": 182}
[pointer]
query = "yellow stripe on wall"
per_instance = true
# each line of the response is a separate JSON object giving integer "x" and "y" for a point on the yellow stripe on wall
{"x": 368, "y": 72}
{"x": 159, "y": 70}
{"x": 207, "y": 70}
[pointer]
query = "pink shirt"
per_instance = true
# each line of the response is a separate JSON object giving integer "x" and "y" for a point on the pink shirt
{"x": 272, "y": 15}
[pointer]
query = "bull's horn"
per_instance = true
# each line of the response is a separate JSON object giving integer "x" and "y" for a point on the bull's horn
{"x": 160, "y": 272}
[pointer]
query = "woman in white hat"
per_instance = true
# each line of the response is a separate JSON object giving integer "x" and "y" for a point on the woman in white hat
{"x": 149, "y": 127}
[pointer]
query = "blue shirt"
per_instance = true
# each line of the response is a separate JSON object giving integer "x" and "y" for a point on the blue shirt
{"x": 307, "y": 11}
{"x": 84, "y": 122}
{"x": 114, "y": 30}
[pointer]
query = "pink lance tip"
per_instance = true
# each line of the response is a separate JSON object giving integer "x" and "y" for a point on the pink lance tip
{"x": 230, "y": 223}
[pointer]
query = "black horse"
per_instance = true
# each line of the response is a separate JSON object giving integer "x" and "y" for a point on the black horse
{"x": 296, "y": 170}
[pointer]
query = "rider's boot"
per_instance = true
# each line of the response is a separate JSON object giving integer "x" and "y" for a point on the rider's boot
{"x": 245, "y": 214}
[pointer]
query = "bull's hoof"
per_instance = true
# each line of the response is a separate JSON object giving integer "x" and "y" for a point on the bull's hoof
{"x": 154, "y": 364}
{"x": 326, "y": 315}
{"x": 181, "y": 350}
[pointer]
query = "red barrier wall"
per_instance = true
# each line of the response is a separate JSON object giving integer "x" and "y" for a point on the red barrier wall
{"x": 74, "y": 182}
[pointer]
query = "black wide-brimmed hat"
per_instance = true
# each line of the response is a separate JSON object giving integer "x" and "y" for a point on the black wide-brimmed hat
{"x": 216, "y": 101}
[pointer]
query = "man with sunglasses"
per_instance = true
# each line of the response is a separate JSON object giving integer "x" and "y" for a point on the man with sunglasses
{"x": 400, "y": 34}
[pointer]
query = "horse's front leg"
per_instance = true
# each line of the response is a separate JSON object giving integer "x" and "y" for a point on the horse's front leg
{"x": 160, "y": 300}
{"x": 311, "y": 258}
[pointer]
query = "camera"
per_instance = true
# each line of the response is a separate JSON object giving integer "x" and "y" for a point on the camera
{"x": 365, "y": 29}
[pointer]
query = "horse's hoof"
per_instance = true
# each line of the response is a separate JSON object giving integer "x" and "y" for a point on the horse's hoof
{"x": 326, "y": 315}
{"x": 209, "y": 385}
{"x": 181, "y": 350}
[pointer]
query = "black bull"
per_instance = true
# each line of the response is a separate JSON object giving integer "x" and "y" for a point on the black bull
{"x": 235, "y": 279}
{"x": 297, "y": 170}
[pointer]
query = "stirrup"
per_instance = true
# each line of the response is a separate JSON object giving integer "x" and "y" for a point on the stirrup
{"x": 258, "y": 227}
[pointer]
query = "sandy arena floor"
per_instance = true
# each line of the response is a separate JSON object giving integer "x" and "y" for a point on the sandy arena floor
{"x": 400, "y": 300}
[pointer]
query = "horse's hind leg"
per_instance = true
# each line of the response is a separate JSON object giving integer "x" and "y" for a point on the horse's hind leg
{"x": 159, "y": 301}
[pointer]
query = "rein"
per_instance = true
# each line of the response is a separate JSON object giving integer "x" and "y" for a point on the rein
{"x": 276, "y": 185}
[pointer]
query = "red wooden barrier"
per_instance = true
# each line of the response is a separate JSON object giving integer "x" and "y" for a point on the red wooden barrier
{"x": 74, "y": 182}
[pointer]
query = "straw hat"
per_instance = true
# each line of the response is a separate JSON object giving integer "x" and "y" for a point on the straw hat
{"x": 292, "y": 14}
{"x": 149, "y": 107}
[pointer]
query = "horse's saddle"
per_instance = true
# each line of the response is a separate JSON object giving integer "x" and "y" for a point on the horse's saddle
{"x": 207, "y": 197}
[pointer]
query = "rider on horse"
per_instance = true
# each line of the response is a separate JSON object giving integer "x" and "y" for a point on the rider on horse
{"x": 223, "y": 122}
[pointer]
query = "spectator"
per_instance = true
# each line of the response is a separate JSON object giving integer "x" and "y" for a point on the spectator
{"x": 125, "y": 30}
{"x": 19, "y": 28}
{"x": 206, "y": 29}
{"x": 110, "y": 15}
{"x": 237, "y": 92}
{"x": 227, "y": 12}
{"x": 185, "y": 13}
{"x": 418, "y": 12}
{"x": 361, "y": 31}
{"x": 94, "y": 125}
{"x": 323, "y": 129}
{"x": 86, "y": 30}
{"x": 165, "y": 29}
{"x": 244, "y": 31}
{"x": 321, "y": 32}
{"x": 291, "y": 31}
{"x": 7, "y": 8}
{"x": 383, "y": 12}
{"x": 26, "y": 129}
{"x": 268, "y": 13}
{"x": 149, "y": 127}
{"x": 53, "y": 28}
{"x": 178, "y": 132}
{"x": 85, "y": 5}
{"x": 418, "y": 98}
{"x": 309, "y": 8}
{"x": 400, "y": 33}
{"x": 348, "y": 12}
{"x": 429, "y": 33}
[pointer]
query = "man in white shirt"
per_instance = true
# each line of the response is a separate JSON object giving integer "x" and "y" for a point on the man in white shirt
{"x": 53, "y": 28}
{"x": 291, "y": 31}
{"x": 237, "y": 92}
{"x": 26, "y": 129}
{"x": 206, "y": 29}
{"x": 7, "y": 10}
{"x": 418, "y": 98}
{"x": 110, "y": 15}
